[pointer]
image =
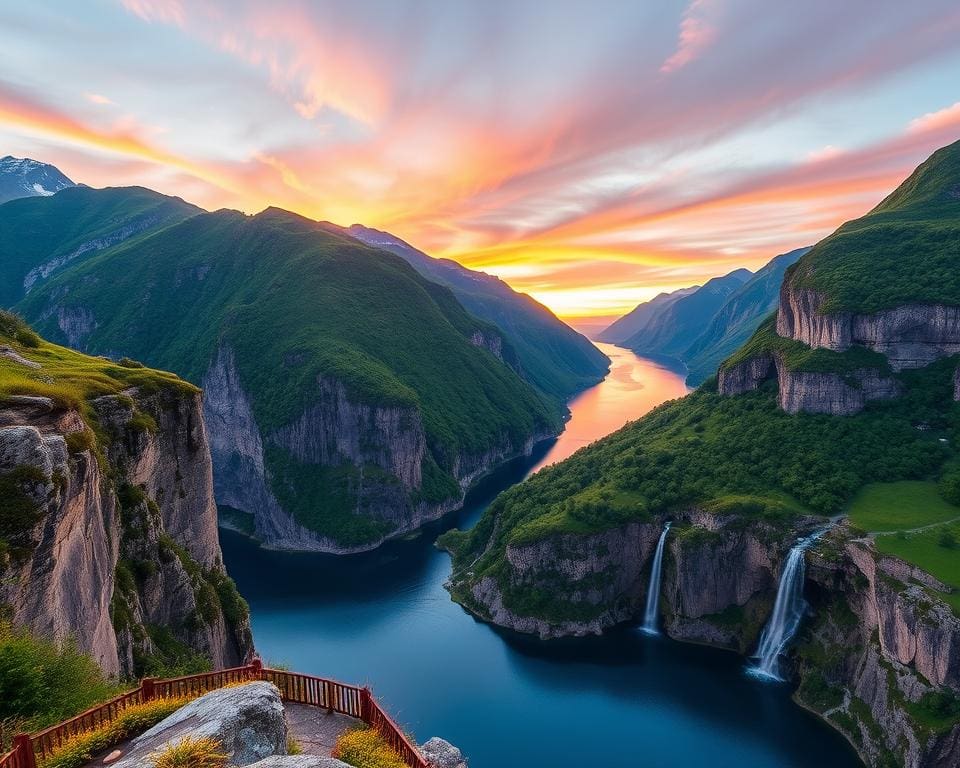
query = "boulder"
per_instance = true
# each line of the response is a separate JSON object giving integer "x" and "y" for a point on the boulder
{"x": 442, "y": 754}
{"x": 248, "y": 720}
{"x": 300, "y": 761}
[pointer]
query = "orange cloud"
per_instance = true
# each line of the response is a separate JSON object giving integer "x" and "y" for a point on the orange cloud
{"x": 37, "y": 119}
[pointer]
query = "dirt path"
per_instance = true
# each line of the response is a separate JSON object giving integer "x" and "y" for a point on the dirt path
{"x": 315, "y": 729}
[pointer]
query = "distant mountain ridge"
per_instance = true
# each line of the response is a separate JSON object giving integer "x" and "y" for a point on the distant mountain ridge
{"x": 23, "y": 177}
{"x": 640, "y": 317}
{"x": 677, "y": 323}
{"x": 700, "y": 326}
{"x": 556, "y": 358}
{"x": 738, "y": 318}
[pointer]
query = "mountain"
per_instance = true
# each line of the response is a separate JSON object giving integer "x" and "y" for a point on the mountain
{"x": 675, "y": 324}
{"x": 108, "y": 527}
{"x": 23, "y": 177}
{"x": 347, "y": 398}
{"x": 641, "y": 316}
{"x": 737, "y": 319}
{"x": 553, "y": 356}
{"x": 41, "y": 237}
{"x": 843, "y": 404}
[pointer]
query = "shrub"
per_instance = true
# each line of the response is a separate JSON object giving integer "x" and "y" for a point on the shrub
{"x": 42, "y": 683}
{"x": 947, "y": 539}
{"x": 191, "y": 752}
{"x": 79, "y": 750}
{"x": 365, "y": 748}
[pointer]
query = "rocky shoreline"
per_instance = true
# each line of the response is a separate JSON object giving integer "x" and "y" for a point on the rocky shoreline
{"x": 720, "y": 577}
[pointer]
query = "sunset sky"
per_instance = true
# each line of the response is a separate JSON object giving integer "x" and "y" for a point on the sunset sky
{"x": 591, "y": 153}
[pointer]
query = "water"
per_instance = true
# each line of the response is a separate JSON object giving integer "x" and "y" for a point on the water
{"x": 621, "y": 701}
{"x": 651, "y": 616}
{"x": 788, "y": 610}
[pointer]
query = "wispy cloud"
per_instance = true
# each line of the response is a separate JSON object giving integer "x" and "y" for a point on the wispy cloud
{"x": 696, "y": 35}
{"x": 586, "y": 148}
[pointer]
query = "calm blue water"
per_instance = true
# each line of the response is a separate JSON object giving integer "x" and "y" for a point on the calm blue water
{"x": 625, "y": 700}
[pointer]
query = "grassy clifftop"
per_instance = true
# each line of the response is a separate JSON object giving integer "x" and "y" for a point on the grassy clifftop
{"x": 904, "y": 251}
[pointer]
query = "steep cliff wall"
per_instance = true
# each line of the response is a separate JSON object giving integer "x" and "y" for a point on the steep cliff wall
{"x": 836, "y": 393}
{"x": 910, "y": 336}
{"x": 881, "y": 658}
{"x": 568, "y": 585}
{"x": 381, "y": 451}
{"x": 719, "y": 580}
{"x": 117, "y": 547}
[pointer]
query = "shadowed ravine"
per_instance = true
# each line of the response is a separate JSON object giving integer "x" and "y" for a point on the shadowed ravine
{"x": 621, "y": 701}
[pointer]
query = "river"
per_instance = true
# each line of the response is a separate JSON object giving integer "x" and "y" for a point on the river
{"x": 625, "y": 700}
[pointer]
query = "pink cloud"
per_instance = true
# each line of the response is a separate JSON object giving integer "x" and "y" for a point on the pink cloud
{"x": 164, "y": 11}
{"x": 696, "y": 35}
{"x": 949, "y": 117}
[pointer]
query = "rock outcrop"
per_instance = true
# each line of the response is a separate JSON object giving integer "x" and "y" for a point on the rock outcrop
{"x": 299, "y": 761}
{"x": 247, "y": 720}
{"x": 122, "y": 536}
{"x": 833, "y": 393}
{"x": 332, "y": 432}
{"x": 837, "y": 394}
{"x": 881, "y": 655}
{"x": 719, "y": 580}
{"x": 442, "y": 754}
{"x": 910, "y": 336}
{"x": 586, "y": 583}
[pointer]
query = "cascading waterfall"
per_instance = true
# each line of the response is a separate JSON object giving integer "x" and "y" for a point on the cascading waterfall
{"x": 651, "y": 614}
{"x": 788, "y": 610}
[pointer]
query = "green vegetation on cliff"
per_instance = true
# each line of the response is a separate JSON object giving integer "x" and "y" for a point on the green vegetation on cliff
{"x": 298, "y": 305}
{"x": 712, "y": 452}
{"x": 42, "y": 235}
{"x": 905, "y": 251}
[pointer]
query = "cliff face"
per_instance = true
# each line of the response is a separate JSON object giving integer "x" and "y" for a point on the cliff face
{"x": 387, "y": 443}
{"x": 123, "y": 554}
{"x": 809, "y": 391}
{"x": 880, "y": 654}
{"x": 719, "y": 580}
{"x": 909, "y": 336}
{"x": 584, "y": 584}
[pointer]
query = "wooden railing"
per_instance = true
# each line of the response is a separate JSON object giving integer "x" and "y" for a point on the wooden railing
{"x": 294, "y": 687}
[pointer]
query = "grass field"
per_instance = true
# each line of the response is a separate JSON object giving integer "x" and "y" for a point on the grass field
{"x": 900, "y": 506}
{"x": 926, "y": 550}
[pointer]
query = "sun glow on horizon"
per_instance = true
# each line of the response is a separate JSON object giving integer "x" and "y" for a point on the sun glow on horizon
{"x": 538, "y": 163}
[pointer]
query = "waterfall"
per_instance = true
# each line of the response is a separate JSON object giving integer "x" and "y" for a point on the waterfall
{"x": 651, "y": 614}
{"x": 788, "y": 610}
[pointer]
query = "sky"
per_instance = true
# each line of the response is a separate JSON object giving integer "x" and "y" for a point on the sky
{"x": 592, "y": 153}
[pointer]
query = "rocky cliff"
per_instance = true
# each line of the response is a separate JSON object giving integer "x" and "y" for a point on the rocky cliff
{"x": 909, "y": 336}
{"x": 111, "y": 534}
{"x": 881, "y": 657}
{"x": 386, "y": 443}
{"x": 719, "y": 580}
{"x": 816, "y": 391}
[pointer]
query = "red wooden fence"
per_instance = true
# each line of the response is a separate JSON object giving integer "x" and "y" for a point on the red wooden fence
{"x": 301, "y": 689}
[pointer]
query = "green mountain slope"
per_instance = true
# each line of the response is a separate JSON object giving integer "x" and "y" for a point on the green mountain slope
{"x": 553, "y": 356}
{"x": 678, "y": 323}
{"x": 41, "y": 235}
{"x": 303, "y": 312}
{"x": 905, "y": 251}
{"x": 637, "y": 319}
{"x": 739, "y": 316}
